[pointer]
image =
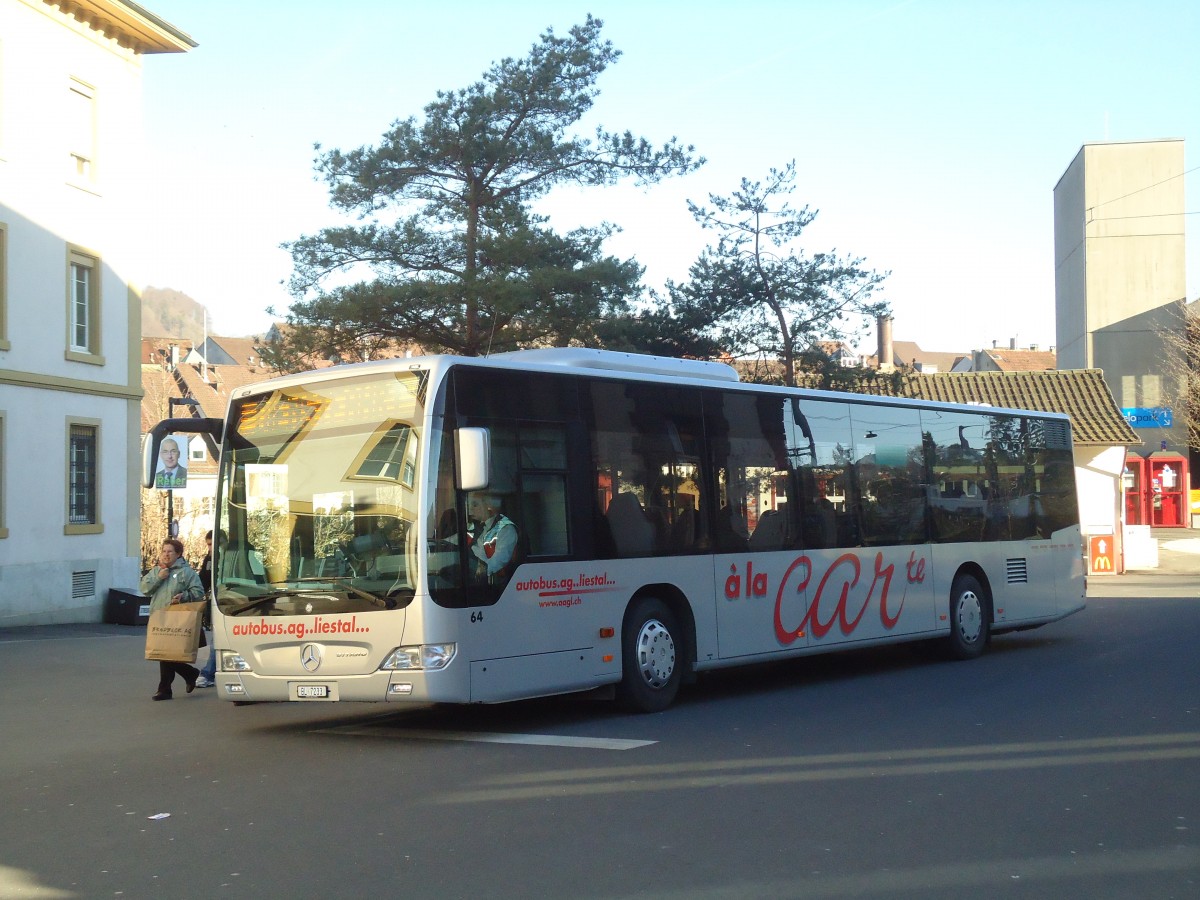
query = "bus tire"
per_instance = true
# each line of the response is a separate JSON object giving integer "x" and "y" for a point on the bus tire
{"x": 651, "y": 662}
{"x": 970, "y": 618}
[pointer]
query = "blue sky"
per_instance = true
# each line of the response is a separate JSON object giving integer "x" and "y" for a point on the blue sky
{"x": 928, "y": 134}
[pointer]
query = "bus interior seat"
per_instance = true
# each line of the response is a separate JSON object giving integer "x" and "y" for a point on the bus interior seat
{"x": 770, "y": 533}
{"x": 660, "y": 520}
{"x": 683, "y": 532}
{"x": 818, "y": 524}
{"x": 242, "y": 562}
{"x": 731, "y": 534}
{"x": 632, "y": 532}
{"x": 522, "y": 548}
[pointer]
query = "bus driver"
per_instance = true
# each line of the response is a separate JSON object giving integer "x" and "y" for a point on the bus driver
{"x": 495, "y": 540}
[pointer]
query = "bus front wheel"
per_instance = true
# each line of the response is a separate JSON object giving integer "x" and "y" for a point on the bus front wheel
{"x": 651, "y": 667}
{"x": 970, "y": 621}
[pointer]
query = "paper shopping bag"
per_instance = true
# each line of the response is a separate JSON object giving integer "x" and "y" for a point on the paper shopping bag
{"x": 173, "y": 633}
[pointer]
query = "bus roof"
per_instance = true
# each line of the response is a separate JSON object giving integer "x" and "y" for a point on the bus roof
{"x": 613, "y": 361}
{"x": 611, "y": 364}
{"x": 605, "y": 361}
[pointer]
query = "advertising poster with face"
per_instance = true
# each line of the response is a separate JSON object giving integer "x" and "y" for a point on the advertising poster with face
{"x": 172, "y": 463}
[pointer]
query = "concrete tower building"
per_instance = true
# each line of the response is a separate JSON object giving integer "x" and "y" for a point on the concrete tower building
{"x": 1120, "y": 282}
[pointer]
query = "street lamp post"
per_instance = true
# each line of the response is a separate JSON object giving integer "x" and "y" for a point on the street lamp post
{"x": 172, "y": 402}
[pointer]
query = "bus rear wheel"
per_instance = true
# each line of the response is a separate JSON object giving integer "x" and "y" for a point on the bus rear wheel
{"x": 651, "y": 667}
{"x": 970, "y": 618}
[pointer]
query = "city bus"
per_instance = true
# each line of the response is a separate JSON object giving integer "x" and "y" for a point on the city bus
{"x": 476, "y": 530}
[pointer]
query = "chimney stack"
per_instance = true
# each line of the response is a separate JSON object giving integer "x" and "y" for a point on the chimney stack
{"x": 886, "y": 355}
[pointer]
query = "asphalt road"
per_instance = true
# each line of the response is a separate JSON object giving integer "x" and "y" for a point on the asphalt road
{"x": 1065, "y": 763}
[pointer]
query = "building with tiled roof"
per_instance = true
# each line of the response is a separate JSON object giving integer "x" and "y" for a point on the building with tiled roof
{"x": 227, "y": 351}
{"x": 839, "y": 352}
{"x": 164, "y": 351}
{"x": 892, "y": 355}
{"x": 212, "y": 385}
{"x": 1013, "y": 360}
{"x": 908, "y": 354}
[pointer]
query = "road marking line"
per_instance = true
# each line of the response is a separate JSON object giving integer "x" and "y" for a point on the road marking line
{"x": 495, "y": 737}
{"x": 68, "y": 637}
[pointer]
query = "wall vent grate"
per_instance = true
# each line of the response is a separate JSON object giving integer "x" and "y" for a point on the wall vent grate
{"x": 83, "y": 584}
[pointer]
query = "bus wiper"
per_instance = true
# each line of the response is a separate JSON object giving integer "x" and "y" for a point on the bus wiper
{"x": 259, "y": 601}
{"x": 381, "y": 602}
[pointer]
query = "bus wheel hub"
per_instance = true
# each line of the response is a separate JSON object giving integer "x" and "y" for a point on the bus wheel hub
{"x": 655, "y": 653}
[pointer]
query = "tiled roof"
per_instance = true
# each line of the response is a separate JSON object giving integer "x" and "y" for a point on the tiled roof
{"x": 908, "y": 353}
{"x": 1080, "y": 393}
{"x": 157, "y": 350}
{"x": 222, "y": 381}
{"x": 1023, "y": 360}
{"x": 242, "y": 350}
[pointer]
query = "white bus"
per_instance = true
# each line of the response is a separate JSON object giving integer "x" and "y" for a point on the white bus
{"x": 659, "y": 519}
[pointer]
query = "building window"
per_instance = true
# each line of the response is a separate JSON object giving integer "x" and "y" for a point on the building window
{"x": 83, "y": 307}
{"x": 83, "y": 473}
{"x": 4, "y": 343}
{"x": 81, "y": 120}
{"x": 3, "y": 484}
{"x": 2, "y": 107}
{"x": 81, "y": 304}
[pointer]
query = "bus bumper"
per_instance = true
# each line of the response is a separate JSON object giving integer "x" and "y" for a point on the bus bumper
{"x": 414, "y": 686}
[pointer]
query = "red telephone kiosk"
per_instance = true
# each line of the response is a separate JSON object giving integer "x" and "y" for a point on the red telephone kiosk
{"x": 1135, "y": 482}
{"x": 1168, "y": 480}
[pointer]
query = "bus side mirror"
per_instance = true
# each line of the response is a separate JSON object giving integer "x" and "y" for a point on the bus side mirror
{"x": 213, "y": 429}
{"x": 473, "y": 449}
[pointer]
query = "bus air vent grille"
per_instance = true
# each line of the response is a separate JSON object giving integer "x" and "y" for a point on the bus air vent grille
{"x": 1018, "y": 571}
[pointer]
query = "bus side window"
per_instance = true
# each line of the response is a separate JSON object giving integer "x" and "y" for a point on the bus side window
{"x": 750, "y": 446}
{"x": 540, "y": 506}
{"x": 646, "y": 445}
{"x": 823, "y": 454}
{"x": 544, "y": 513}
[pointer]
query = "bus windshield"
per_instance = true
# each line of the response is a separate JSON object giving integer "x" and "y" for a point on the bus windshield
{"x": 318, "y": 497}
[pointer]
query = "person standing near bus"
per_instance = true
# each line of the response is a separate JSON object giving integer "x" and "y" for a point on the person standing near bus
{"x": 208, "y": 674}
{"x": 495, "y": 541}
{"x": 170, "y": 581}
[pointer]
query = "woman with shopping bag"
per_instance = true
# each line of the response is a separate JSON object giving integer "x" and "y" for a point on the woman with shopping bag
{"x": 172, "y": 581}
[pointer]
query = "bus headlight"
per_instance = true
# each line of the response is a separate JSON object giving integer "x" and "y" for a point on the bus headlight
{"x": 423, "y": 656}
{"x": 234, "y": 662}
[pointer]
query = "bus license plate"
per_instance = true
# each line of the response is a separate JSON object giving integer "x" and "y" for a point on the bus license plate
{"x": 312, "y": 691}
